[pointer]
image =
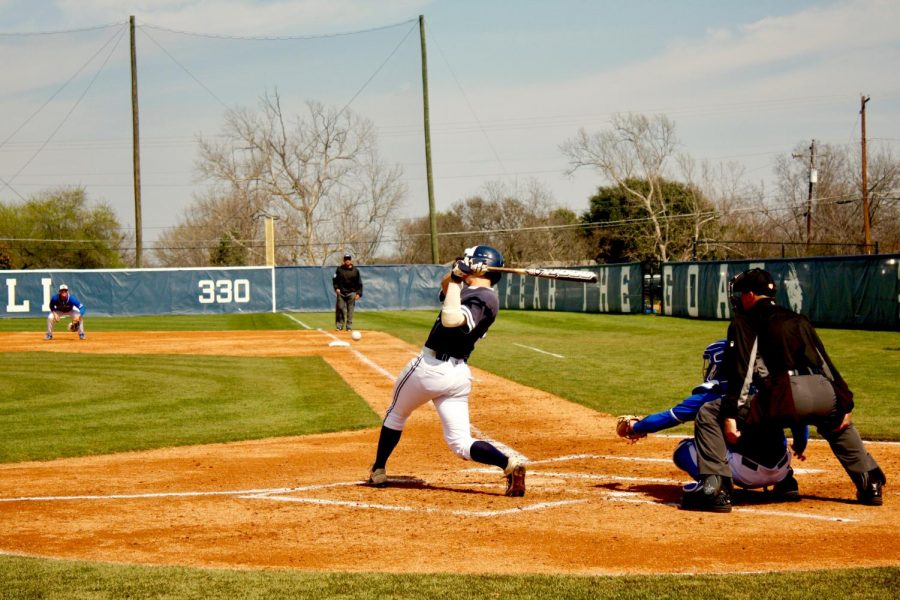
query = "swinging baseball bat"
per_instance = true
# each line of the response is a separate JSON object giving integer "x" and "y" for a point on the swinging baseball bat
{"x": 561, "y": 274}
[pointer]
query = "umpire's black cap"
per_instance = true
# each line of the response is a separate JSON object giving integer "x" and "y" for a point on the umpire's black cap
{"x": 758, "y": 281}
{"x": 348, "y": 257}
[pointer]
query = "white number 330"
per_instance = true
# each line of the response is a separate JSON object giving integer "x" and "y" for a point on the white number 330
{"x": 223, "y": 291}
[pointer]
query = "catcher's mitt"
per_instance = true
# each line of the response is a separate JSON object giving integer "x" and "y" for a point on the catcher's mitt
{"x": 73, "y": 326}
{"x": 625, "y": 428}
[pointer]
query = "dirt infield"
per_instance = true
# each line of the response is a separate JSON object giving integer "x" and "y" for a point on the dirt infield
{"x": 595, "y": 504}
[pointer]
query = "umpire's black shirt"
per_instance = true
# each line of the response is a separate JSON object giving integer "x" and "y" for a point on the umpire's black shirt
{"x": 347, "y": 280}
{"x": 787, "y": 342}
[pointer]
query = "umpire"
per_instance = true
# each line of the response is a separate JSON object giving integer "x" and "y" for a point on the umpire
{"x": 348, "y": 288}
{"x": 779, "y": 351}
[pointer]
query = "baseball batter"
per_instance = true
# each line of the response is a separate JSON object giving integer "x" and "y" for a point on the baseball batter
{"x": 440, "y": 373}
{"x": 761, "y": 459}
{"x": 64, "y": 304}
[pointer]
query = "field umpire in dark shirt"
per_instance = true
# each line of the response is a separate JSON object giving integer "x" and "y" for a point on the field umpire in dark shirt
{"x": 348, "y": 288}
{"x": 779, "y": 351}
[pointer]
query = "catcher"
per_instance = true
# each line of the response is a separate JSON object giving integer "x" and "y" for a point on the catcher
{"x": 761, "y": 458}
{"x": 64, "y": 304}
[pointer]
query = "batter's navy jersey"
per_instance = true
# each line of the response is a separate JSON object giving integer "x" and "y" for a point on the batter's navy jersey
{"x": 65, "y": 307}
{"x": 480, "y": 306}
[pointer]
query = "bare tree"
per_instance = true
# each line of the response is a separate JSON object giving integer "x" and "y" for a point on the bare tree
{"x": 218, "y": 218}
{"x": 634, "y": 148}
{"x": 320, "y": 173}
{"x": 837, "y": 203}
{"x": 522, "y": 222}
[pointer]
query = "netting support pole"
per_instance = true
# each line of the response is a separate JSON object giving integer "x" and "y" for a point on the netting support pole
{"x": 432, "y": 217}
{"x": 136, "y": 153}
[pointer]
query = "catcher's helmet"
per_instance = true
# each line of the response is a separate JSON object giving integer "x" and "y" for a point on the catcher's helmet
{"x": 487, "y": 255}
{"x": 713, "y": 357}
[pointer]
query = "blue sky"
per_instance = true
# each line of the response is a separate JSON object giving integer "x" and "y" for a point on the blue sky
{"x": 509, "y": 82}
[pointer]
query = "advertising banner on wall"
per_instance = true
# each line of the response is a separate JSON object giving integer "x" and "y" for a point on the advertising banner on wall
{"x": 385, "y": 287}
{"x": 861, "y": 291}
{"x": 618, "y": 289}
{"x": 119, "y": 292}
{"x": 141, "y": 292}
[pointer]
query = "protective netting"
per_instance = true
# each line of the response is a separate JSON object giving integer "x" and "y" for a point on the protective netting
{"x": 66, "y": 105}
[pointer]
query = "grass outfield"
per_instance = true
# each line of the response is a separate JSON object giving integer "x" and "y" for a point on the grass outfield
{"x": 97, "y": 404}
{"x": 25, "y": 578}
{"x": 612, "y": 363}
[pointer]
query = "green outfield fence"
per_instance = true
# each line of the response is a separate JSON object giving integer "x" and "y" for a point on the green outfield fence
{"x": 850, "y": 291}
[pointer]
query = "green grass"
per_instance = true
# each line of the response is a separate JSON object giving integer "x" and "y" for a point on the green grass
{"x": 641, "y": 364}
{"x": 617, "y": 364}
{"x": 57, "y": 405}
{"x": 92, "y": 404}
{"x": 25, "y": 578}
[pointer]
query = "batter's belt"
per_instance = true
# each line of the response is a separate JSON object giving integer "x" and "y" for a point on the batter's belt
{"x": 442, "y": 356}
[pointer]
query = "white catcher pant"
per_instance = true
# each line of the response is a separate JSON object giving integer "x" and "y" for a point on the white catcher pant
{"x": 447, "y": 384}
{"x": 746, "y": 473}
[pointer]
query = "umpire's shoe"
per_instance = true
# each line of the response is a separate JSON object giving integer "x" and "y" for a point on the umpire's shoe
{"x": 787, "y": 489}
{"x": 868, "y": 487}
{"x": 711, "y": 494}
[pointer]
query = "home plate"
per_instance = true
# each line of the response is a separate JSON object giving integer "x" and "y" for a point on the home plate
{"x": 338, "y": 343}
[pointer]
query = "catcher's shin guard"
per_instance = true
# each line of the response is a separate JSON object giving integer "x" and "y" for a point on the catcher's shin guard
{"x": 711, "y": 494}
{"x": 515, "y": 477}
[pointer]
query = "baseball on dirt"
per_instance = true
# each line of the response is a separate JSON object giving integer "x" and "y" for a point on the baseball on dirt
{"x": 356, "y": 335}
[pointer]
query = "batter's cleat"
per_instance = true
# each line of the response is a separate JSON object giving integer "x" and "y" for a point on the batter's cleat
{"x": 81, "y": 336}
{"x": 711, "y": 494}
{"x": 48, "y": 337}
{"x": 377, "y": 478}
{"x": 868, "y": 487}
{"x": 515, "y": 477}
{"x": 787, "y": 489}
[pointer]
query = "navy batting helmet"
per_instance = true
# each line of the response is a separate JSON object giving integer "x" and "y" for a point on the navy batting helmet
{"x": 487, "y": 255}
{"x": 713, "y": 357}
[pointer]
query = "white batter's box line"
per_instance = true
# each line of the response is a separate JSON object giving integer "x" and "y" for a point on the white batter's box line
{"x": 589, "y": 476}
{"x": 155, "y": 495}
{"x": 632, "y": 498}
{"x": 418, "y": 509}
{"x": 600, "y": 457}
{"x": 647, "y": 459}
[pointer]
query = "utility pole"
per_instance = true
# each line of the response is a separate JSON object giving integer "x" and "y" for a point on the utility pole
{"x": 432, "y": 217}
{"x": 136, "y": 153}
{"x": 813, "y": 179}
{"x": 867, "y": 237}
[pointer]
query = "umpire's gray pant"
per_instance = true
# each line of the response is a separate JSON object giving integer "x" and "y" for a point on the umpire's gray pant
{"x": 343, "y": 310}
{"x": 815, "y": 403}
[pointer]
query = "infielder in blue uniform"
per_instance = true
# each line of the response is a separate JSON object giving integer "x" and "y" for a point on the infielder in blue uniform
{"x": 441, "y": 374}
{"x": 762, "y": 458}
{"x": 64, "y": 304}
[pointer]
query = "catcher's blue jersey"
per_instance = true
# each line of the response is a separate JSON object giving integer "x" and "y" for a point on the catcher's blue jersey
{"x": 682, "y": 412}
